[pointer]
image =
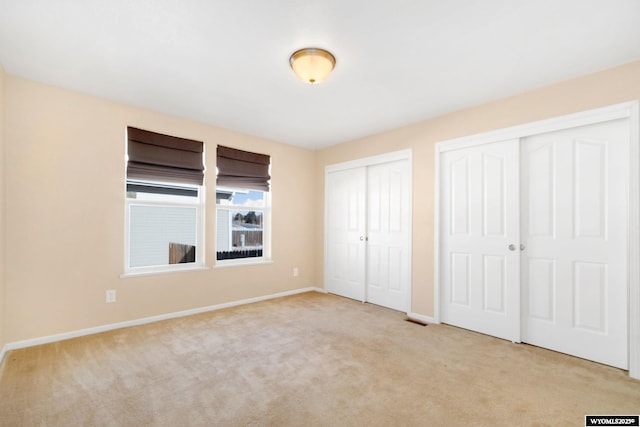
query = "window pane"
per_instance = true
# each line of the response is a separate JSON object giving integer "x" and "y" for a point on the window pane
{"x": 140, "y": 189}
{"x": 161, "y": 235}
{"x": 240, "y": 233}
{"x": 162, "y": 193}
{"x": 248, "y": 198}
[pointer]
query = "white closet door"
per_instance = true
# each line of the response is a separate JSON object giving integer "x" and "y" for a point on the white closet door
{"x": 479, "y": 239}
{"x": 574, "y": 216}
{"x": 346, "y": 214}
{"x": 388, "y": 251}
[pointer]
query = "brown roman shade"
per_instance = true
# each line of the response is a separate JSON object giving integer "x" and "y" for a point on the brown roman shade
{"x": 157, "y": 157}
{"x": 243, "y": 169}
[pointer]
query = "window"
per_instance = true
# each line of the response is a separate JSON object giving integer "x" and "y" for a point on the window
{"x": 163, "y": 226}
{"x": 242, "y": 206}
{"x": 241, "y": 221}
{"x": 164, "y": 203}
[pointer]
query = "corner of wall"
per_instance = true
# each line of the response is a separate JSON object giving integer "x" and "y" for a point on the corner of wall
{"x": 319, "y": 220}
{"x": 2, "y": 226}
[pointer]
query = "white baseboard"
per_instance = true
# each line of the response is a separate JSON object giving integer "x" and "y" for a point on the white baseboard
{"x": 3, "y": 353}
{"x": 145, "y": 320}
{"x": 420, "y": 317}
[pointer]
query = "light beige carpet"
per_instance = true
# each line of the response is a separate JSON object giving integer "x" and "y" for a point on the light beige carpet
{"x": 305, "y": 360}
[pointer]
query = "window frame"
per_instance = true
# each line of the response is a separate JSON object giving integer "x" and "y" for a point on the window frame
{"x": 266, "y": 229}
{"x": 199, "y": 204}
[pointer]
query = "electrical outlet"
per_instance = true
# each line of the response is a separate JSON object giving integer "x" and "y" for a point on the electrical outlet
{"x": 295, "y": 272}
{"x": 111, "y": 295}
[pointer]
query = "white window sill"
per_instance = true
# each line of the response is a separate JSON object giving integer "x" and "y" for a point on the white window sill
{"x": 161, "y": 271}
{"x": 241, "y": 262}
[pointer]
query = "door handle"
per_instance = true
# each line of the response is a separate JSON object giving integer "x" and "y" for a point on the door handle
{"x": 521, "y": 247}
{"x": 361, "y": 238}
{"x": 512, "y": 247}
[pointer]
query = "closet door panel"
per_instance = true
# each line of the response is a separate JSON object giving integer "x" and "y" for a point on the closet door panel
{"x": 574, "y": 274}
{"x": 346, "y": 256}
{"x": 388, "y": 249}
{"x": 479, "y": 240}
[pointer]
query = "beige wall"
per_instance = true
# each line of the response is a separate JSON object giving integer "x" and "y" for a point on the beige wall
{"x": 596, "y": 90}
{"x": 63, "y": 205}
{"x": 65, "y": 168}
{"x": 2, "y": 232}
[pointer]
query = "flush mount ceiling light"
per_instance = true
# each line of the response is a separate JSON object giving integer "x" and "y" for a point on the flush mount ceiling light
{"x": 312, "y": 65}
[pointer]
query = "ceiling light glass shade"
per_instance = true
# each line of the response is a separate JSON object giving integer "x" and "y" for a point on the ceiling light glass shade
{"x": 312, "y": 65}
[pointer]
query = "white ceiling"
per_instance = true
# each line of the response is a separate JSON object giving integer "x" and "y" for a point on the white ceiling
{"x": 225, "y": 62}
